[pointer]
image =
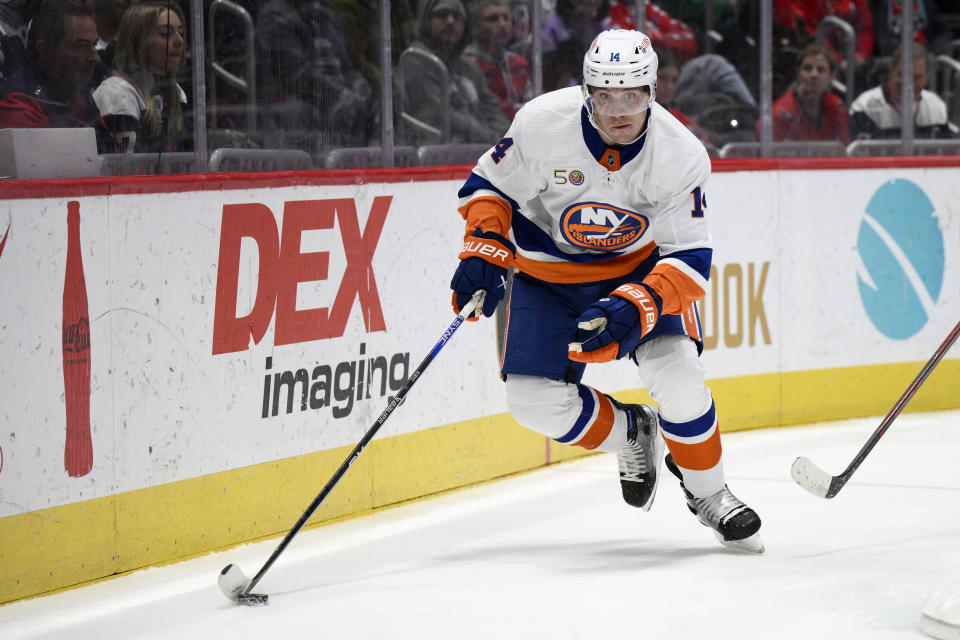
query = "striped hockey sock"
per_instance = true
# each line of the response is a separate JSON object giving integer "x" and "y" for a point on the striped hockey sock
{"x": 695, "y": 447}
{"x": 599, "y": 426}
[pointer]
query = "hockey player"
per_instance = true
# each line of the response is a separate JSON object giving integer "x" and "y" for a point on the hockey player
{"x": 596, "y": 196}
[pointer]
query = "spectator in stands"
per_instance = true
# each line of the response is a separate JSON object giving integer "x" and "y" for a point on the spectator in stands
{"x": 713, "y": 94}
{"x": 709, "y": 78}
{"x": 886, "y": 26}
{"x": 359, "y": 20}
{"x": 929, "y": 29}
{"x": 666, "y": 33}
{"x": 668, "y": 73}
{"x": 567, "y": 32}
{"x": 522, "y": 43}
{"x": 14, "y": 18}
{"x": 52, "y": 88}
{"x": 803, "y": 17}
{"x": 141, "y": 101}
{"x": 875, "y": 114}
{"x": 437, "y": 54}
{"x": 312, "y": 95}
{"x": 508, "y": 74}
{"x": 808, "y": 111}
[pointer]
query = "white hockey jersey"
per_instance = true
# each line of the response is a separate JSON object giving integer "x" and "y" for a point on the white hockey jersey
{"x": 580, "y": 211}
{"x": 876, "y": 114}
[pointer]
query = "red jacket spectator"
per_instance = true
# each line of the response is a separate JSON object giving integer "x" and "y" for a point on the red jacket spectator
{"x": 507, "y": 73}
{"x": 508, "y": 81}
{"x": 664, "y": 31}
{"x": 791, "y": 123}
{"x": 52, "y": 90}
{"x": 804, "y": 16}
{"x": 23, "y": 109}
{"x": 807, "y": 110}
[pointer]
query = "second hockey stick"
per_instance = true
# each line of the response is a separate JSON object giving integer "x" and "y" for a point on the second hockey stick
{"x": 234, "y": 584}
{"x": 819, "y": 482}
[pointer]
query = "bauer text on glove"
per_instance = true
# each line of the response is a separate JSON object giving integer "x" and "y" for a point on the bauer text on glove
{"x": 484, "y": 261}
{"x": 612, "y": 327}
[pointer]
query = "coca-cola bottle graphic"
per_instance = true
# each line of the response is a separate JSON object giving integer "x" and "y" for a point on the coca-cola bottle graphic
{"x": 78, "y": 451}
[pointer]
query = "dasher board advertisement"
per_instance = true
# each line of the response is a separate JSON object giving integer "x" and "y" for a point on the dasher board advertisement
{"x": 235, "y": 326}
{"x": 225, "y": 329}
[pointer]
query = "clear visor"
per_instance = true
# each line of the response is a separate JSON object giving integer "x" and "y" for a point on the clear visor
{"x": 618, "y": 102}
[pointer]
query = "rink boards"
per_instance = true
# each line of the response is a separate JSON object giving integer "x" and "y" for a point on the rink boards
{"x": 245, "y": 331}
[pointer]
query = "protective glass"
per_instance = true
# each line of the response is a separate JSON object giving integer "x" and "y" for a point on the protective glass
{"x": 619, "y": 102}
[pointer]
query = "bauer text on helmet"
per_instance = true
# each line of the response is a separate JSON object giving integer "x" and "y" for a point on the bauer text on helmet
{"x": 619, "y": 82}
{"x": 620, "y": 59}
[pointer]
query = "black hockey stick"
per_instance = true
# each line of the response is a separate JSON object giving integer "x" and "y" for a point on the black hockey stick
{"x": 820, "y": 483}
{"x": 234, "y": 584}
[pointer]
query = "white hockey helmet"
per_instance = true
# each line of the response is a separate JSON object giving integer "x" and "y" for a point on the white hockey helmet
{"x": 619, "y": 59}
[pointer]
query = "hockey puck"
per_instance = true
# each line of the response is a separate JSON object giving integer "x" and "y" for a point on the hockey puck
{"x": 253, "y": 599}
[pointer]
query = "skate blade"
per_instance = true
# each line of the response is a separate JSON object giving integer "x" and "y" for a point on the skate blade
{"x": 752, "y": 544}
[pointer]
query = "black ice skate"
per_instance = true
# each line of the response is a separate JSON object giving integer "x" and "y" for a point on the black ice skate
{"x": 734, "y": 524}
{"x": 639, "y": 459}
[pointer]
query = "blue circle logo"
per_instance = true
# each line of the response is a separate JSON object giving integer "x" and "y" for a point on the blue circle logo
{"x": 901, "y": 259}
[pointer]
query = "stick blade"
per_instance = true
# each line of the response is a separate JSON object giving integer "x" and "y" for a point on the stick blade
{"x": 814, "y": 479}
{"x": 234, "y": 585}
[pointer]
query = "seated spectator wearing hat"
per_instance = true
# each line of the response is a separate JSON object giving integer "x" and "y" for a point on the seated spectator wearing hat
{"x": 808, "y": 110}
{"x": 52, "y": 89}
{"x": 474, "y": 115}
{"x": 875, "y": 114}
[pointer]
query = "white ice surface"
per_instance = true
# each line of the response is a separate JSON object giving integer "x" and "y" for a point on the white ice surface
{"x": 556, "y": 554}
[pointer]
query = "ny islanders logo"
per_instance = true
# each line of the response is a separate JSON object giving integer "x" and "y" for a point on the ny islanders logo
{"x": 901, "y": 259}
{"x": 601, "y": 226}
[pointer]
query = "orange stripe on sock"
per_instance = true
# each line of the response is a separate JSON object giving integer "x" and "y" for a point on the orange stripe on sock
{"x": 601, "y": 426}
{"x": 697, "y": 457}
